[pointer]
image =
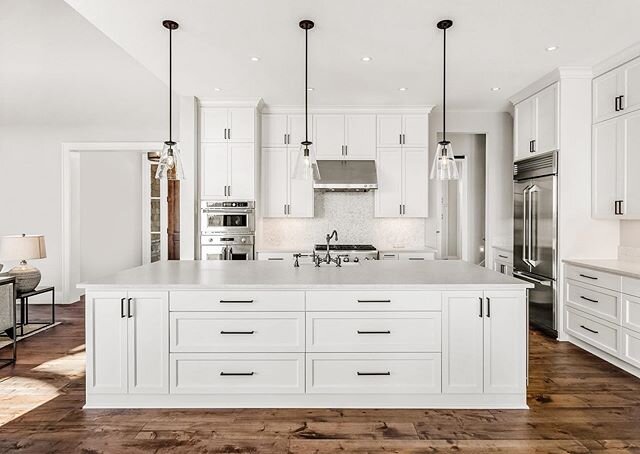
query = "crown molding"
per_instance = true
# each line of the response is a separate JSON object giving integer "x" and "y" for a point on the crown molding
{"x": 355, "y": 109}
{"x": 257, "y": 104}
{"x": 616, "y": 60}
{"x": 557, "y": 75}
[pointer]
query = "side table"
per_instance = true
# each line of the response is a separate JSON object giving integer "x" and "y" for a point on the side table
{"x": 24, "y": 306}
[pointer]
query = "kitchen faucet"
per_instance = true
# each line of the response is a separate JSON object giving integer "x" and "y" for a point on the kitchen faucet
{"x": 327, "y": 258}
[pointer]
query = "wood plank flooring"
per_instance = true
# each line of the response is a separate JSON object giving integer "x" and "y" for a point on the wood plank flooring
{"x": 579, "y": 404}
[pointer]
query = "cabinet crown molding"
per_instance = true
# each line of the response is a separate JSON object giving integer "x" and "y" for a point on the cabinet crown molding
{"x": 557, "y": 75}
{"x": 348, "y": 109}
{"x": 619, "y": 59}
{"x": 257, "y": 104}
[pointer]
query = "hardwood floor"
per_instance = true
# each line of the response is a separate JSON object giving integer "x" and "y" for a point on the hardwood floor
{"x": 578, "y": 404}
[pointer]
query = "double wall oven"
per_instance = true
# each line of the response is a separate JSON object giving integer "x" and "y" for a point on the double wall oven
{"x": 227, "y": 230}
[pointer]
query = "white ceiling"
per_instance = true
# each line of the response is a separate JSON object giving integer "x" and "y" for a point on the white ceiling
{"x": 493, "y": 43}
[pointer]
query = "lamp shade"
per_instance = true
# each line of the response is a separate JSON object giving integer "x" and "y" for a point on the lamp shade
{"x": 22, "y": 247}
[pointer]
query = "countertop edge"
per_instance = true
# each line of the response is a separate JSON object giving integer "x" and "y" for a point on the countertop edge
{"x": 524, "y": 285}
{"x": 605, "y": 268}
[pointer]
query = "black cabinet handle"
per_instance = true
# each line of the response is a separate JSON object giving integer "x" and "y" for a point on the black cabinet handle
{"x": 374, "y": 332}
{"x": 502, "y": 256}
{"x": 620, "y": 102}
{"x": 237, "y": 332}
{"x": 588, "y": 277}
{"x": 616, "y": 99}
{"x": 374, "y": 301}
{"x": 480, "y": 300}
{"x": 363, "y": 374}
{"x": 236, "y": 374}
{"x": 129, "y": 308}
{"x": 589, "y": 329}
{"x": 122, "y": 307}
{"x": 488, "y": 307}
{"x": 236, "y": 301}
{"x": 588, "y": 299}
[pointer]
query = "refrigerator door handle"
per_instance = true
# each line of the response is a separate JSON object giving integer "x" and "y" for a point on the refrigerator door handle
{"x": 531, "y": 279}
{"x": 533, "y": 237}
{"x": 525, "y": 225}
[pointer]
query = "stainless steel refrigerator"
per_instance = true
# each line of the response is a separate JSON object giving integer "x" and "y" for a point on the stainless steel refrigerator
{"x": 535, "y": 235}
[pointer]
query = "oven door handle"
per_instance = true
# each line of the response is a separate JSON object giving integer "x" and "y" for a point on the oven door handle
{"x": 229, "y": 253}
{"x": 225, "y": 253}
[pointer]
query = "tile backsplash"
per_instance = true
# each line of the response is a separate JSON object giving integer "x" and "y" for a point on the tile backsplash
{"x": 352, "y": 215}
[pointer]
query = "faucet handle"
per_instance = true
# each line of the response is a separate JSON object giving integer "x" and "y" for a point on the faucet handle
{"x": 338, "y": 261}
{"x": 296, "y": 256}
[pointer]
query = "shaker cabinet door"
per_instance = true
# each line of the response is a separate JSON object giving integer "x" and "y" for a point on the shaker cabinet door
{"x": 301, "y": 195}
{"x": 275, "y": 182}
{"x": 214, "y": 167}
{"x": 631, "y": 164}
{"x": 241, "y": 173}
{"x": 389, "y": 193}
{"x": 547, "y": 120}
{"x": 606, "y": 88}
{"x": 241, "y": 123}
{"x": 604, "y": 166}
{"x": 416, "y": 183}
{"x": 328, "y": 130}
{"x": 274, "y": 130}
{"x": 360, "y": 136}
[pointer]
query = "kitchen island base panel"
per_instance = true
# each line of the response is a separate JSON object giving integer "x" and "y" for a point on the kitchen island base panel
{"x": 396, "y": 401}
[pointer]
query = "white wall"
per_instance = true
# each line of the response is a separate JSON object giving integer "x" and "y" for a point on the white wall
{"x": 498, "y": 128}
{"x": 110, "y": 213}
{"x": 62, "y": 81}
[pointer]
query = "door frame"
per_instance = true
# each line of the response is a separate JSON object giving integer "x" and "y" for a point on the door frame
{"x": 70, "y": 170}
{"x": 463, "y": 212}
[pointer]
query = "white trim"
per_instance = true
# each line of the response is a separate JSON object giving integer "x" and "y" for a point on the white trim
{"x": 630, "y": 53}
{"x": 441, "y": 401}
{"x": 69, "y": 160}
{"x": 564, "y": 72}
{"x": 208, "y": 102}
{"x": 347, "y": 109}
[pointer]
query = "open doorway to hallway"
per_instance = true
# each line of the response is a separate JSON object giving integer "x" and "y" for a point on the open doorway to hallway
{"x": 462, "y": 203}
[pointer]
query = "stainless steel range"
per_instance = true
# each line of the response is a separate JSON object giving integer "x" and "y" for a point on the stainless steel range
{"x": 348, "y": 252}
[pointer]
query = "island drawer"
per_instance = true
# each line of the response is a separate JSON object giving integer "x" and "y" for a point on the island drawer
{"x": 236, "y": 373}
{"x": 240, "y": 300}
{"x": 593, "y": 277}
{"x": 598, "y": 301}
{"x": 592, "y": 330}
{"x": 373, "y": 332}
{"x": 374, "y": 300}
{"x": 631, "y": 312}
{"x": 237, "y": 332}
{"x": 357, "y": 373}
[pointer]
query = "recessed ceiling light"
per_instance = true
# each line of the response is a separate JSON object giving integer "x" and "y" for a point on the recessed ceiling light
{"x": 495, "y": 88}
{"x": 366, "y": 59}
{"x": 552, "y": 48}
{"x": 255, "y": 58}
{"x": 403, "y": 88}
{"x": 310, "y": 88}
{"x": 217, "y": 89}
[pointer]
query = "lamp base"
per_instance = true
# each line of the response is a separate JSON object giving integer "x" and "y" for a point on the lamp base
{"x": 27, "y": 277}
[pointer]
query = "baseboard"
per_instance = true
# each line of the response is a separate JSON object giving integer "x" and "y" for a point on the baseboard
{"x": 606, "y": 357}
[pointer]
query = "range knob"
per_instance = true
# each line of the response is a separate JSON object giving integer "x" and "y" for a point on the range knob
{"x": 243, "y": 240}
{"x": 234, "y": 204}
{"x": 210, "y": 240}
{"x": 356, "y": 260}
{"x": 346, "y": 259}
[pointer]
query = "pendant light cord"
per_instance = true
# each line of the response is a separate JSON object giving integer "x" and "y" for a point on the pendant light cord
{"x": 444, "y": 88}
{"x": 170, "y": 83}
{"x": 306, "y": 82}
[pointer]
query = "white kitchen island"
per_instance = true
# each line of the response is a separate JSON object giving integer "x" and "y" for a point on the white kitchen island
{"x": 386, "y": 334}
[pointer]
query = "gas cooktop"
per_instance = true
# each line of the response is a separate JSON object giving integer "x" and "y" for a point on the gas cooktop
{"x": 345, "y": 247}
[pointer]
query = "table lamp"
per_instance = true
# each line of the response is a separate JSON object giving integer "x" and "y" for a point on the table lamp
{"x": 23, "y": 247}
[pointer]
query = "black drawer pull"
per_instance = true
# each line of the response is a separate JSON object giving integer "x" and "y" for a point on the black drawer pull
{"x": 374, "y": 301}
{"x": 236, "y": 301}
{"x": 275, "y": 258}
{"x": 588, "y": 299}
{"x": 363, "y": 374}
{"x": 236, "y": 374}
{"x": 416, "y": 258}
{"x": 588, "y": 277}
{"x": 589, "y": 329}
{"x": 374, "y": 332}
{"x": 502, "y": 256}
{"x": 237, "y": 332}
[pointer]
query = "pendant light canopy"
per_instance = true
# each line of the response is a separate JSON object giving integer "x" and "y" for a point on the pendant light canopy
{"x": 306, "y": 167}
{"x": 444, "y": 163}
{"x": 170, "y": 163}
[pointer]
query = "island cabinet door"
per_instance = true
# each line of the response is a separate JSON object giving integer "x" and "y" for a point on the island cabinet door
{"x": 505, "y": 342}
{"x": 106, "y": 327}
{"x": 148, "y": 341}
{"x": 462, "y": 350}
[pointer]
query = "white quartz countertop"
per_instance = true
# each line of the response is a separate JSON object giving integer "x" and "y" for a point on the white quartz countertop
{"x": 195, "y": 274}
{"x": 621, "y": 267}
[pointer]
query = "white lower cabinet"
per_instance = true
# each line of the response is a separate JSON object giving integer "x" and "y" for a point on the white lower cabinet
{"x": 357, "y": 373}
{"x": 237, "y": 373}
{"x": 484, "y": 340}
{"x": 127, "y": 352}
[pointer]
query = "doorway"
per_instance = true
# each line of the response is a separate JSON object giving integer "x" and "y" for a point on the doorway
{"x": 462, "y": 204}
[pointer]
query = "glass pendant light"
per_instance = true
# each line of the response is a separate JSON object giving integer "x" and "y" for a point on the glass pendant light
{"x": 170, "y": 163}
{"x": 306, "y": 167}
{"x": 444, "y": 162}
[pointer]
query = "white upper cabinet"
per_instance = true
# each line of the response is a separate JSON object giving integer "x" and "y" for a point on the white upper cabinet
{"x": 537, "y": 123}
{"x": 328, "y": 139}
{"x": 410, "y": 130}
{"x": 416, "y": 183}
{"x": 214, "y": 170}
{"x": 280, "y": 130}
{"x": 227, "y": 124}
{"x": 617, "y": 92}
{"x": 389, "y": 194}
{"x": 360, "y": 136}
{"x": 241, "y": 171}
{"x": 339, "y": 136}
{"x": 282, "y": 195}
{"x": 615, "y": 164}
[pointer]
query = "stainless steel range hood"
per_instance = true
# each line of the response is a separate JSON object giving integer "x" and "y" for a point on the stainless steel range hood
{"x": 344, "y": 176}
